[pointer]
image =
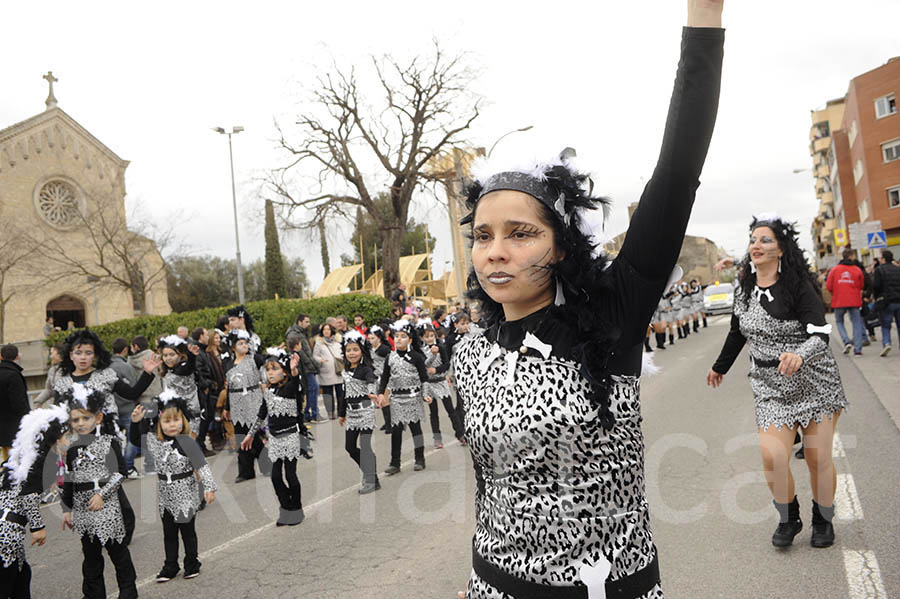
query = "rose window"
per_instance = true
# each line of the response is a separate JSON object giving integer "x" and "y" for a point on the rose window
{"x": 58, "y": 203}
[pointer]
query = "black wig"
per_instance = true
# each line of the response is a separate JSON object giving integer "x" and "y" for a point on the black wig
{"x": 360, "y": 340}
{"x": 241, "y": 312}
{"x": 84, "y": 336}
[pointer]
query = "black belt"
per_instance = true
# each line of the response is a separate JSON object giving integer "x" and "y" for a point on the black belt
{"x": 13, "y": 517}
{"x": 242, "y": 390}
{"x": 89, "y": 486}
{"x": 169, "y": 478}
{"x": 764, "y": 363}
{"x": 628, "y": 587}
{"x": 359, "y": 403}
{"x": 405, "y": 391}
{"x": 284, "y": 431}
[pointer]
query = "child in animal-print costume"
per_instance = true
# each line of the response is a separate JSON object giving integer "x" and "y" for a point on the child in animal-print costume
{"x": 20, "y": 487}
{"x": 95, "y": 468}
{"x": 179, "y": 462}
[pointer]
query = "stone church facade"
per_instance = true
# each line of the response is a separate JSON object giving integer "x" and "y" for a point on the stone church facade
{"x": 56, "y": 180}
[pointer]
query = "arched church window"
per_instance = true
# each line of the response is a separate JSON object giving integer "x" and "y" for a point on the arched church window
{"x": 57, "y": 203}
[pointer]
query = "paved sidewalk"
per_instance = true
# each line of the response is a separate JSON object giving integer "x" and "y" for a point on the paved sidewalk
{"x": 882, "y": 374}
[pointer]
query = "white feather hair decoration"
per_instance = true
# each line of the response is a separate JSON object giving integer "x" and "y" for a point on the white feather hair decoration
{"x": 401, "y": 325}
{"x": 276, "y": 352}
{"x": 240, "y": 334}
{"x": 80, "y": 394}
{"x": 769, "y": 217}
{"x": 375, "y": 328}
{"x": 167, "y": 396}
{"x": 173, "y": 340}
{"x": 33, "y": 426}
{"x": 354, "y": 336}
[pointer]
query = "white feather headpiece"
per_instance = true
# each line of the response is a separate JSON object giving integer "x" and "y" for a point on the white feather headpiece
{"x": 400, "y": 325}
{"x": 769, "y": 217}
{"x": 173, "y": 340}
{"x": 375, "y": 328}
{"x": 34, "y": 424}
{"x": 422, "y": 323}
{"x": 80, "y": 394}
{"x": 167, "y": 396}
{"x": 240, "y": 334}
{"x": 276, "y": 352}
{"x": 354, "y": 336}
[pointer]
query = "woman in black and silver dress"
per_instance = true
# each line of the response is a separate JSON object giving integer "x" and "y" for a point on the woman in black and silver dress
{"x": 552, "y": 408}
{"x": 778, "y": 309}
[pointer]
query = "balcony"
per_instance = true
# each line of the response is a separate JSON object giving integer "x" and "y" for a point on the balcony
{"x": 823, "y": 171}
{"x": 821, "y": 145}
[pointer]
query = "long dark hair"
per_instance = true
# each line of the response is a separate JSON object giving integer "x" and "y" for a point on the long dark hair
{"x": 84, "y": 336}
{"x": 363, "y": 346}
{"x": 795, "y": 269}
{"x": 584, "y": 279}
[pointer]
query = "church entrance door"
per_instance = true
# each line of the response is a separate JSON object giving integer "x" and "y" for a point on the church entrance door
{"x": 66, "y": 309}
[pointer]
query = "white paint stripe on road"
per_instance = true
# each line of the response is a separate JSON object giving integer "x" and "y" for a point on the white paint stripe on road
{"x": 863, "y": 575}
{"x": 838, "y": 450}
{"x": 307, "y": 510}
{"x": 846, "y": 501}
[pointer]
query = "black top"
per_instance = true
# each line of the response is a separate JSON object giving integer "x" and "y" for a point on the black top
{"x": 13, "y": 400}
{"x": 362, "y": 372}
{"x": 886, "y": 283}
{"x": 805, "y": 306}
{"x": 291, "y": 390}
{"x": 414, "y": 358}
{"x": 384, "y": 350}
{"x": 640, "y": 271}
{"x": 121, "y": 387}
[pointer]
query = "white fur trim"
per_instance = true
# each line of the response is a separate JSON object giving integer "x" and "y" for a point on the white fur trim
{"x": 31, "y": 431}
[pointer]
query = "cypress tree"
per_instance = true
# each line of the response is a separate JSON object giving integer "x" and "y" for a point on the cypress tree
{"x": 274, "y": 260}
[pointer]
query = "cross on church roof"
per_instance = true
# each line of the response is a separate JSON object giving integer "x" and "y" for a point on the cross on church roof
{"x": 51, "y": 99}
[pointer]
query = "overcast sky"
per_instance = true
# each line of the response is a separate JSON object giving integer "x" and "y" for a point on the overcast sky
{"x": 151, "y": 79}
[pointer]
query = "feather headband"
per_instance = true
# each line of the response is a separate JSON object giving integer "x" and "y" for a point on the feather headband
{"x": 172, "y": 341}
{"x": 401, "y": 326}
{"x": 170, "y": 399}
{"x": 82, "y": 397}
{"x": 276, "y": 354}
{"x": 354, "y": 336}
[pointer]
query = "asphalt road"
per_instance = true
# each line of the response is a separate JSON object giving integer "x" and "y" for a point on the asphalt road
{"x": 712, "y": 514}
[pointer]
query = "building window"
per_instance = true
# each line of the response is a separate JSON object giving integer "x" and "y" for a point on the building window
{"x": 58, "y": 204}
{"x": 885, "y": 106}
{"x": 894, "y": 197}
{"x": 891, "y": 150}
{"x": 858, "y": 172}
{"x": 864, "y": 210}
{"x": 854, "y": 131}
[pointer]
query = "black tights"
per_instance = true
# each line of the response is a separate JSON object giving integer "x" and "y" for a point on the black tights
{"x": 287, "y": 490}
{"x": 363, "y": 454}
{"x": 15, "y": 583}
{"x": 245, "y": 458}
{"x": 436, "y": 420}
{"x": 171, "y": 528}
{"x": 397, "y": 443}
{"x": 93, "y": 585}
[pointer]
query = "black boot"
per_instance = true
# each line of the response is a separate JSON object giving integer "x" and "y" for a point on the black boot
{"x": 660, "y": 341}
{"x": 822, "y": 530}
{"x": 789, "y": 524}
{"x": 647, "y": 347}
{"x": 704, "y": 322}
{"x": 696, "y": 326}
{"x": 680, "y": 332}
{"x": 672, "y": 339}
{"x": 687, "y": 329}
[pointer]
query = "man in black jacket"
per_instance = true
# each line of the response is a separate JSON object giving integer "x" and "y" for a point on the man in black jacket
{"x": 207, "y": 392}
{"x": 13, "y": 397}
{"x": 886, "y": 285}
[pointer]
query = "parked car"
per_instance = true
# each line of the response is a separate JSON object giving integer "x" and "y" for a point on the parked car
{"x": 718, "y": 298}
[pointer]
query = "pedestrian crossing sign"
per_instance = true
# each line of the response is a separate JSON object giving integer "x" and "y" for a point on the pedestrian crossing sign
{"x": 878, "y": 239}
{"x": 840, "y": 237}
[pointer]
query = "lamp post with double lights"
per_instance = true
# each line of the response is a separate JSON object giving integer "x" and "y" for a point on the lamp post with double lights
{"x": 237, "y": 239}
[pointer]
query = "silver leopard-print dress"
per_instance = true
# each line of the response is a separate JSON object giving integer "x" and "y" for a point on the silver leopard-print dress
{"x": 436, "y": 387}
{"x": 559, "y": 492}
{"x": 284, "y": 446}
{"x": 93, "y": 464}
{"x": 99, "y": 380}
{"x": 244, "y": 394}
{"x": 179, "y": 497}
{"x": 408, "y": 406}
{"x": 812, "y": 393}
{"x": 185, "y": 385}
{"x": 360, "y": 413}
{"x": 12, "y": 535}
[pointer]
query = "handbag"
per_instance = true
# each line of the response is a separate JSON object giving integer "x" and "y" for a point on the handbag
{"x": 338, "y": 365}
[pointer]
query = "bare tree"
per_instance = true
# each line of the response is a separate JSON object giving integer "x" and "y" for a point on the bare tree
{"x": 17, "y": 266}
{"x": 427, "y": 105}
{"x": 109, "y": 252}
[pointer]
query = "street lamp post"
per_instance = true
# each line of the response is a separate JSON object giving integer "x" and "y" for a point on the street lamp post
{"x": 237, "y": 238}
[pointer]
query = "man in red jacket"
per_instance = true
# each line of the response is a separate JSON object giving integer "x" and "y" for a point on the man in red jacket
{"x": 846, "y": 282}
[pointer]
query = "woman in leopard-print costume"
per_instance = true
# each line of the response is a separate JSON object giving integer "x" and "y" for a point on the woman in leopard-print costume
{"x": 551, "y": 387}
{"x": 795, "y": 380}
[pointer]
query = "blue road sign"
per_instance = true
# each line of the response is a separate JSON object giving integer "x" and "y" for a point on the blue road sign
{"x": 878, "y": 239}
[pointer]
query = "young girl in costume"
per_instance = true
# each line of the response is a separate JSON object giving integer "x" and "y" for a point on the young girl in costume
{"x": 380, "y": 349}
{"x": 244, "y": 397}
{"x": 437, "y": 363}
{"x": 179, "y": 461}
{"x": 356, "y": 412}
{"x": 282, "y": 411}
{"x": 403, "y": 375}
{"x": 551, "y": 386}
{"x": 95, "y": 469}
{"x": 179, "y": 366}
{"x": 21, "y": 480}
{"x": 779, "y": 313}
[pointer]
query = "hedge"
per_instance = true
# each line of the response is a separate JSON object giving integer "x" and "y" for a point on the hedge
{"x": 271, "y": 318}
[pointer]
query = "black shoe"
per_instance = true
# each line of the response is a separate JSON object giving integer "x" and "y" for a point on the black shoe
{"x": 786, "y": 531}
{"x": 392, "y": 470}
{"x": 307, "y": 453}
{"x": 241, "y": 479}
{"x": 192, "y": 571}
{"x": 419, "y": 466}
{"x": 167, "y": 574}
{"x": 822, "y": 534}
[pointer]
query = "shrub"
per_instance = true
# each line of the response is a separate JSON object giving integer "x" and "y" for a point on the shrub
{"x": 271, "y": 318}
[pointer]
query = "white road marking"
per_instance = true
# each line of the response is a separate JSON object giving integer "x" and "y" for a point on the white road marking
{"x": 863, "y": 575}
{"x": 838, "y": 450}
{"x": 846, "y": 501}
{"x": 307, "y": 510}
